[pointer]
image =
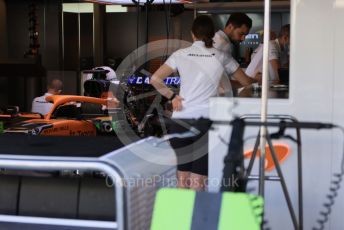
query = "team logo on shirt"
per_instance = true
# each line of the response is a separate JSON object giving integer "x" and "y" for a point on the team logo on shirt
{"x": 202, "y": 55}
{"x": 43, "y": 102}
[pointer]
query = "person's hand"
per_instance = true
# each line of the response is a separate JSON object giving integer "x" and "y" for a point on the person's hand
{"x": 274, "y": 82}
{"x": 113, "y": 102}
{"x": 258, "y": 77}
{"x": 235, "y": 84}
{"x": 177, "y": 103}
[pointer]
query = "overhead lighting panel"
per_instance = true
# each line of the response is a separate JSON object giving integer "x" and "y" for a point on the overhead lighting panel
{"x": 130, "y": 2}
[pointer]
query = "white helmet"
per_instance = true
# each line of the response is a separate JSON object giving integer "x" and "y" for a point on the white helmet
{"x": 110, "y": 76}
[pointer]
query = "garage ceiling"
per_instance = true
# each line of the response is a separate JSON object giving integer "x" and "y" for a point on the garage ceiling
{"x": 130, "y": 2}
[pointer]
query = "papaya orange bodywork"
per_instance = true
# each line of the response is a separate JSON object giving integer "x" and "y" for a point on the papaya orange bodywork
{"x": 51, "y": 125}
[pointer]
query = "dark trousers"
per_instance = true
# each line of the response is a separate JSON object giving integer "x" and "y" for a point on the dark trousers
{"x": 191, "y": 152}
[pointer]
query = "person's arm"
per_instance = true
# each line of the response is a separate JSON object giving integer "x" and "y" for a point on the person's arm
{"x": 245, "y": 80}
{"x": 157, "y": 81}
{"x": 233, "y": 69}
{"x": 275, "y": 66}
{"x": 235, "y": 84}
{"x": 274, "y": 57}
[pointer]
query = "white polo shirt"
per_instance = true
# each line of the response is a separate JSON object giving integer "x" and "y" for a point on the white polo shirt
{"x": 40, "y": 105}
{"x": 283, "y": 54}
{"x": 200, "y": 71}
{"x": 256, "y": 64}
{"x": 222, "y": 42}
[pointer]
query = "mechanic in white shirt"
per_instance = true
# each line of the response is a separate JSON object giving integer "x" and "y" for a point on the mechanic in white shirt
{"x": 39, "y": 104}
{"x": 256, "y": 64}
{"x": 201, "y": 69}
{"x": 278, "y": 56}
{"x": 237, "y": 27}
{"x": 282, "y": 42}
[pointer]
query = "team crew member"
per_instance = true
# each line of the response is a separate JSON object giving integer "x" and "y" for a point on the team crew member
{"x": 200, "y": 67}
{"x": 278, "y": 56}
{"x": 39, "y": 104}
{"x": 282, "y": 43}
{"x": 236, "y": 29}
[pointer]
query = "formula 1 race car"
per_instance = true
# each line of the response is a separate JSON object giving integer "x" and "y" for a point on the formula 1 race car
{"x": 10, "y": 115}
{"x": 72, "y": 116}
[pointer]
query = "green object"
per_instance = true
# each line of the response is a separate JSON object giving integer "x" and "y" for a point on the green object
{"x": 1, "y": 127}
{"x": 173, "y": 209}
{"x": 114, "y": 125}
{"x": 240, "y": 211}
{"x": 186, "y": 209}
{"x": 97, "y": 124}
